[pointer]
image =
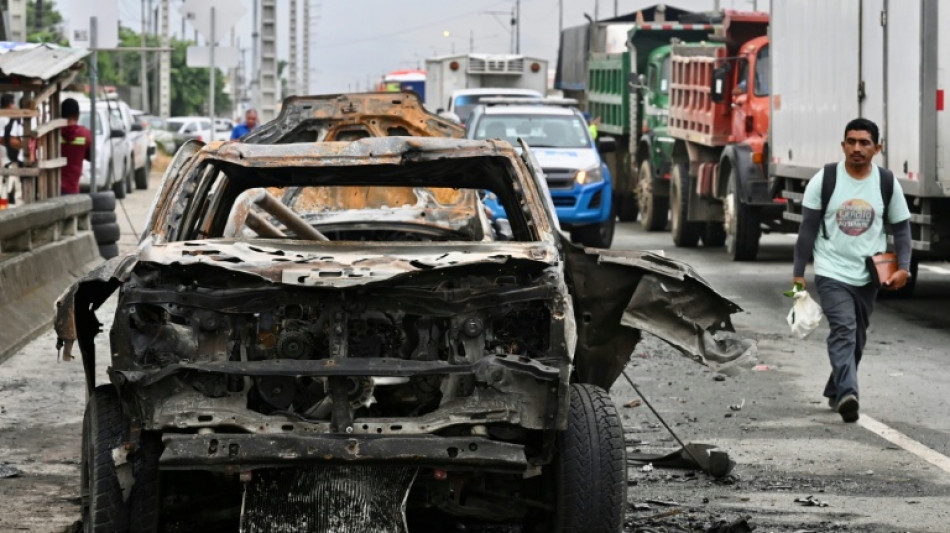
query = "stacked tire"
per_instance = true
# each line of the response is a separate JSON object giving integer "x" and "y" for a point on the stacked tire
{"x": 104, "y": 225}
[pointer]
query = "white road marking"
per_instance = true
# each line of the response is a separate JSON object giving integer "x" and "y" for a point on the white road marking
{"x": 888, "y": 433}
{"x": 937, "y": 270}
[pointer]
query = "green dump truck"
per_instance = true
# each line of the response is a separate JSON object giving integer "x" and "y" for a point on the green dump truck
{"x": 629, "y": 92}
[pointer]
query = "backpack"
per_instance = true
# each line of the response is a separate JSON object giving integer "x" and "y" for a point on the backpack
{"x": 830, "y": 178}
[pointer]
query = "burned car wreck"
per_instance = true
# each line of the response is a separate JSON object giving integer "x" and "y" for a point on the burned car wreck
{"x": 319, "y": 334}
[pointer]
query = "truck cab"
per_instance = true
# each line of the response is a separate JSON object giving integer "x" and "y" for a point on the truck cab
{"x": 576, "y": 174}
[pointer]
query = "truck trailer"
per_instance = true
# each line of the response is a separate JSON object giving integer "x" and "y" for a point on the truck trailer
{"x": 887, "y": 66}
{"x": 446, "y": 75}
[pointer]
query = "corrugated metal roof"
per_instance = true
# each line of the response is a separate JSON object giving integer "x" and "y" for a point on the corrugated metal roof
{"x": 33, "y": 60}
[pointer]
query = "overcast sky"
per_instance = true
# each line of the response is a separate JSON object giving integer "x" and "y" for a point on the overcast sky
{"x": 355, "y": 42}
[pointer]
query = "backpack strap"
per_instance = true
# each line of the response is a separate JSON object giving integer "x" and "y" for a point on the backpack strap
{"x": 828, "y": 181}
{"x": 887, "y": 190}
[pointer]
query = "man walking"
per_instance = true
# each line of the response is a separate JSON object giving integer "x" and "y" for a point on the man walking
{"x": 76, "y": 140}
{"x": 852, "y": 228}
{"x": 250, "y": 122}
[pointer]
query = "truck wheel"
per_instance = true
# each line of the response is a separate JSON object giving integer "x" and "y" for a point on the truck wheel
{"x": 714, "y": 235}
{"x": 103, "y": 509}
{"x": 685, "y": 233}
{"x": 742, "y": 224}
{"x": 591, "y": 465}
{"x": 654, "y": 210}
{"x": 627, "y": 209}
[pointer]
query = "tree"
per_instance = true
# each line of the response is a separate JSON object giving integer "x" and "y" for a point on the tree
{"x": 51, "y": 30}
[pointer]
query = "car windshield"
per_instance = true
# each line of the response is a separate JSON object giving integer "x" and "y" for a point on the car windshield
{"x": 84, "y": 121}
{"x": 551, "y": 131}
{"x": 173, "y": 125}
{"x": 464, "y": 103}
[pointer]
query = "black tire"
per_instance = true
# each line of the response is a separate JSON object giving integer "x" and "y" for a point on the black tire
{"x": 145, "y": 497}
{"x": 685, "y": 233}
{"x": 905, "y": 292}
{"x": 141, "y": 175}
{"x": 129, "y": 178}
{"x": 714, "y": 234}
{"x": 103, "y": 510}
{"x": 106, "y": 233}
{"x": 591, "y": 465}
{"x": 627, "y": 208}
{"x": 654, "y": 209}
{"x": 118, "y": 187}
{"x": 596, "y": 235}
{"x": 108, "y": 251}
{"x": 103, "y": 201}
{"x": 743, "y": 228}
{"x": 98, "y": 218}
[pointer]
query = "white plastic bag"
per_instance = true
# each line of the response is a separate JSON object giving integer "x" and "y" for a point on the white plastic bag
{"x": 804, "y": 315}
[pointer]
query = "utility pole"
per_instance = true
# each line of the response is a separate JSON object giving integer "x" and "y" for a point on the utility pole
{"x": 306, "y": 48}
{"x": 93, "y": 81}
{"x": 615, "y": 9}
{"x": 165, "y": 68}
{"x": 596, "y": 10}
{"x": 471, "y": 41}
{"x": 211, "y": 72}
{"x": 255, "y": 56}
{"x": 292, "y": 64}
{"x": 144, "y": 75}
{"x": 518, "y": 28}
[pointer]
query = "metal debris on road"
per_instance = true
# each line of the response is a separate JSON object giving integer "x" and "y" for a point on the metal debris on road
{"x": 739, "y": 526}
{"x": 811, "y": 501}
{"x": 719, "y": 377}
{"x": 664, "y": 503}
{"x": 9, "y": 471}
{"x": 647, "y": 467}
{"x": 633, "y": 403}
{"x": 738, "y": 406}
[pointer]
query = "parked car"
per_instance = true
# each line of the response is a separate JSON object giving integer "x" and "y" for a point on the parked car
{"x": 189, "y": 128}
{"x": 324, "y": 311}
{"x": 576, "y": 175}
{"x": 222, "y": 129}
{"x": 158, "y": 131}
{"x": 137, "y": 139}
{"x": 113, "y": 157}
{"x": 140, "y": 117}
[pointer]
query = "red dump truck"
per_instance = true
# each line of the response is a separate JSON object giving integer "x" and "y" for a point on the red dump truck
{"x": 719, "y": 120}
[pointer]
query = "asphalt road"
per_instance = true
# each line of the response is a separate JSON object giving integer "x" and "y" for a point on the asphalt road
{"x": 767, "y": 412}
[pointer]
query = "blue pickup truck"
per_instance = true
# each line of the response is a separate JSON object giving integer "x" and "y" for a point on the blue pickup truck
{"x": 560, "y": 140}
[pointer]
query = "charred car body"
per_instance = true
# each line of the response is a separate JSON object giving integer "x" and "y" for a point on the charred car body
{"x": 327, "y": 310}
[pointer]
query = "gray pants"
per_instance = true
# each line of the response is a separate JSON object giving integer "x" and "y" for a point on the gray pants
{"x": 848, "y": 309}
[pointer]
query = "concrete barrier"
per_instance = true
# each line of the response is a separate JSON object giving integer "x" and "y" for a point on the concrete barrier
{"x": 44, "y": 247}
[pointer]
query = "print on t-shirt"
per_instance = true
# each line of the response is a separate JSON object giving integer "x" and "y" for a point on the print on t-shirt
{"x": 854, "y": 217}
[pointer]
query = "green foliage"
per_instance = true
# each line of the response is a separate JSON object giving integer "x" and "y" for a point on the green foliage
{"x": 52, "y": 19}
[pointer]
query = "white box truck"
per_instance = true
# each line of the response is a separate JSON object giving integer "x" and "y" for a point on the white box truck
{"x": 451, "y": 80}
{"x": 885, "y": 60}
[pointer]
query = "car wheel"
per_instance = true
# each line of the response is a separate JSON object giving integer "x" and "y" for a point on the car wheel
{"x": 141, "y": 175}
{"x": 596, "y": 235}
{"x": 103, "y": 508}
{"x": 118, "y": 187}
{"x": 129, "y": 178}
{"x": 685, "y": 233}
{"x": 591, "y": 465}
{"x": 654, "y": 209}
{"x": 741, "y": 224}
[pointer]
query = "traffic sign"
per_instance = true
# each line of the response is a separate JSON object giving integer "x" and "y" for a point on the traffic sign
{"x": 76, "y": 19}
{"x": 226, "y": 15}
{"x": 224, "y": 57}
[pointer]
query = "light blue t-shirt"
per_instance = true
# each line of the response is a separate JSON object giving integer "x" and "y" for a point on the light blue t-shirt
{"x": 853, "y": 220}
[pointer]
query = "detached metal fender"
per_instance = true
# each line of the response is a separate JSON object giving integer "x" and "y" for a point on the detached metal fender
{"x": 76, "y": 310}
{"x": 619, "y": 293}
{"x": 753, "y": 185}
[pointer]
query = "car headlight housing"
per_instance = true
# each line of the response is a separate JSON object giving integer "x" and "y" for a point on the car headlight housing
{"x": 589, "y": 175}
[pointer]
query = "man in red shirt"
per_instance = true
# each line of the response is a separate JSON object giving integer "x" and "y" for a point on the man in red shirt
{"x": 76, "y": 146}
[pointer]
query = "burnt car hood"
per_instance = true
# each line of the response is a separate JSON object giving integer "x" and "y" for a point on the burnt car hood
{"x": 338, "y": 265}
{"x": 616, "y": 294}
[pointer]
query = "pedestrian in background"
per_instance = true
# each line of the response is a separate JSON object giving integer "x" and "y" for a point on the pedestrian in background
{"x": 12, "y": 142}
{"x": 76, "y": 143}
{"x": 242, "y": 129}
{"x": 852, "y": 229}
